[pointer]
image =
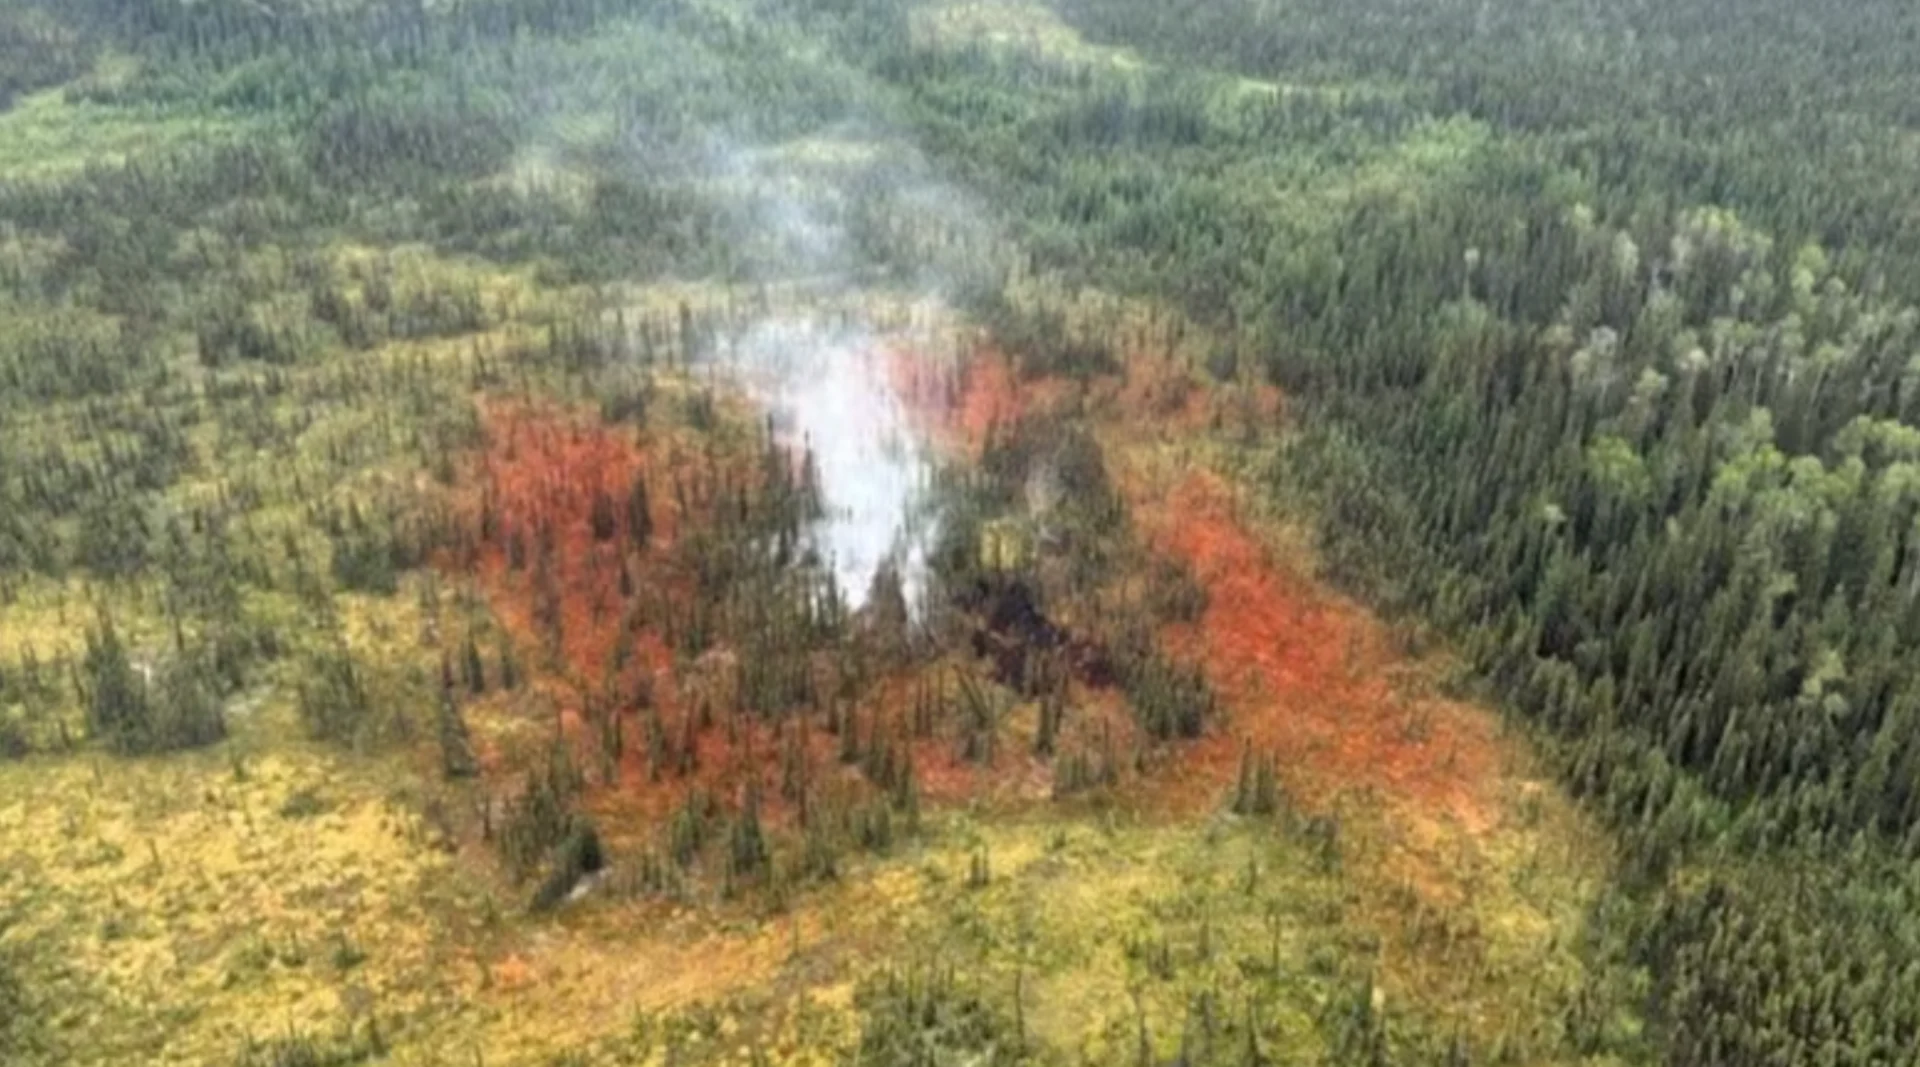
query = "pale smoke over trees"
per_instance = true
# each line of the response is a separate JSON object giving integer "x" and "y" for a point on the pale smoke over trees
{"x": 829, "y": 390}
{"x": 823, "y": 213}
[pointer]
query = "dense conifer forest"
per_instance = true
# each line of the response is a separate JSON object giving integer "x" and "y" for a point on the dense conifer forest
{"x": 959, "y": 532}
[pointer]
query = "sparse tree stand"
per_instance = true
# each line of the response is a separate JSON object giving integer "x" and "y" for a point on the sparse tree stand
{"x": 457, "y": 758}
{"x": 473, "y": 670}
{"x": 116, "y": 698}
{"x": 639, "y": 515}
{"x": 1257, "y": 788}
{"x": 141, "y": 710}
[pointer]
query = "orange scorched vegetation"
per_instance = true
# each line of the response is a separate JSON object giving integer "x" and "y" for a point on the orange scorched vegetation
{"x": 542, "y": 475}
{"x": 1299, "y": 672}
{"x": 538, "y": 556}
{"x": 1308, "y": 676}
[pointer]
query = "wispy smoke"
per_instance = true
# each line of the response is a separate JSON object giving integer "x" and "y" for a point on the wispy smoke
{"x": 805, "y": 215}
{"x": 840, "y": 211}
{"x": 829, "y": 389}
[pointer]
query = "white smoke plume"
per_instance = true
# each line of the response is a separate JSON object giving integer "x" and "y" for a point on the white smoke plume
{"x": 826, "y": 211}
{"x": 829, "y": 390}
